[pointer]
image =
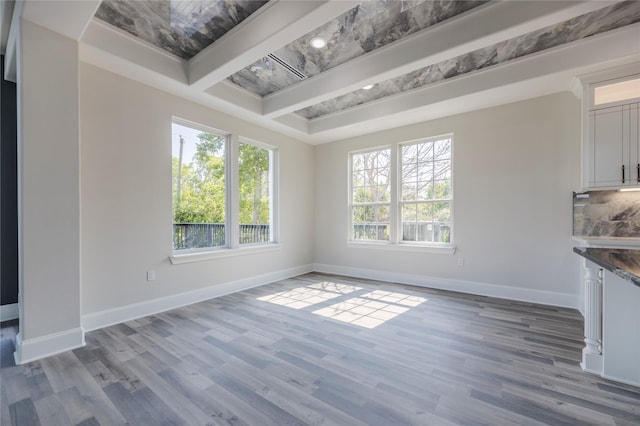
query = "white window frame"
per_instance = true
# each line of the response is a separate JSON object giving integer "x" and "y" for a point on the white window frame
{"x": 232, "y": 245}
{"x": 395, "y": 242}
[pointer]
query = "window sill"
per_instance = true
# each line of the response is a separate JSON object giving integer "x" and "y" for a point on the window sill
{"x": 419, "y": 248}
{"x": 179, "y": 258}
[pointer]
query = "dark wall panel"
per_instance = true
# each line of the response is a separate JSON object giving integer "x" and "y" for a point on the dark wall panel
{"x": 8, "y": 193}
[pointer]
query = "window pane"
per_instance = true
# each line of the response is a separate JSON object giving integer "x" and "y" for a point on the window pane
{"x": 409, "y": 213}
{"x": 198, "y": 188}
{"x": 409, "y": 190}
{"x": 409, "y": 153}
{"x": 425, "y": 172}
{"x": 383, "y": 214}
{"x": 424, "y": 212}
{"x": 617, "y": 92}
{"x": 442, "y": 170}
{"x": 442, "y": 149}
{"x": 255, "y": 194}
{"x": 409, "y": 172}
{"x": 439, "y": 190}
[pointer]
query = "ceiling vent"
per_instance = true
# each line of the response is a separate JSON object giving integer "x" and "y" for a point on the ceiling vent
{"x": 286, "y": 66}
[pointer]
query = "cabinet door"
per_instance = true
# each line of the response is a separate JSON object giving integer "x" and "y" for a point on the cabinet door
{"x": 610, "y": 147}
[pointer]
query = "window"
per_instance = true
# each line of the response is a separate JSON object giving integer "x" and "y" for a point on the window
{"x": 199, "y": 195}
{"x": 255, "y": 166}
{"x": 371, "y": 194}
{"x": 212, "y": 207}
{"x": 616, "y": 92}
{"x": 403, "y": 193}
{"x": 425, "y": 197}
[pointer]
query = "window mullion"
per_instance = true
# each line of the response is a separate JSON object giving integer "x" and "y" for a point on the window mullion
{"x": 232, "y": 187}
{"x": 394, "y": 213}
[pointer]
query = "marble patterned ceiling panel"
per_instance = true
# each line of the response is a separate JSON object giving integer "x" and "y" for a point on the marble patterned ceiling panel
{"x": 615, "y": 16}
{"x": 181, "y": 27}
{"x": 368, "y": 26}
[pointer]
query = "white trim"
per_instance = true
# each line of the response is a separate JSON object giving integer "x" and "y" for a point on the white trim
{"x": 8, "y": 312}
{"x": 118, "y": 315}
{"x": 421, "y": 248}
{"x": 471, "y": 287}
{"x": 617, "y": 379}
{"x": 592, "y": 363}
{"x": 51, "y": 344}
{"x": 179, "y": 258}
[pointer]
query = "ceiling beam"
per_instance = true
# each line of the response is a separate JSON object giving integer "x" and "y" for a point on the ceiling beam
{"x": 106, "y": 46}
{"x": 271, "y": 27}
{"x": 67, "y": 17}
{"x": 609, "y": 46}
{"x": 458, "y": 35}
{"x": 237, "y": 95}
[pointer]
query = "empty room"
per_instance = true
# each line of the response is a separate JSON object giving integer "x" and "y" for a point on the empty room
{"x": 320, "y": 212}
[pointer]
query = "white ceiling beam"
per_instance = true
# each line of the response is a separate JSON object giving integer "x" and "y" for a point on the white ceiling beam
{"x": 295, "y": 122}
{"x": 271, "y": 27}
{"x": 236, "y": 95}
{"x": 456, "y": 36}
{"x": 572, "y": 57}
{"x": 67, "y": 17}
{"x": 103, "y": 44}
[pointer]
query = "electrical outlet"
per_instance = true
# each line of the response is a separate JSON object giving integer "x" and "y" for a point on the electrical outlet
{"x": 461, "y": 261}
{"x": 151, "y": 275}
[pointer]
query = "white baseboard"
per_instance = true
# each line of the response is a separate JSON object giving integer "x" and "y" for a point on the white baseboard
{"x": 471, "y": 287}
{"x": 8, "y": 312}
{"x": 51, "y": 344}
{"x": 617, "y": 379}
{"x": 118, "y": 315}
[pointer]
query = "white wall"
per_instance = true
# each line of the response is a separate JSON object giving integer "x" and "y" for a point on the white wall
{"x": 515, "y": 167}
{"x": 49, "y": 205}
{"x": 126, "y": 203}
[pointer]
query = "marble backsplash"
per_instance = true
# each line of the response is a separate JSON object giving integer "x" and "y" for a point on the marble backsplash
{"x": 606, "y": 214}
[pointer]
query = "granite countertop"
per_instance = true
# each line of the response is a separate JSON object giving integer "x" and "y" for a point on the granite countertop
{"x": 625, "y": 263}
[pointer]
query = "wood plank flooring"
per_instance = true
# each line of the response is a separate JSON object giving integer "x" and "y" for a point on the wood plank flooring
{"x": 323, "y": 350}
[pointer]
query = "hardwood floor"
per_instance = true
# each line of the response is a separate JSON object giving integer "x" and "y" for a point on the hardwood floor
{"x": 330, "y": 350}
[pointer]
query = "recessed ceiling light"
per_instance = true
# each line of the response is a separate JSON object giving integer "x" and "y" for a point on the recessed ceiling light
{"x": 318, "y": 42}
{"x": 367, "y": 87}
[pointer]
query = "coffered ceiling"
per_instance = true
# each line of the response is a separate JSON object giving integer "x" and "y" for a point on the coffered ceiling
{"x": 419, "y": 59}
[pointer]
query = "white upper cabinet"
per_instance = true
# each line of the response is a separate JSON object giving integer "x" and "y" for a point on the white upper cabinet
{"x": 613, "y": 140}
{"x": 611, "y": 120}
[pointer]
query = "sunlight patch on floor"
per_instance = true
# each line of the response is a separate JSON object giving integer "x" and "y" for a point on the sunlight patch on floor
{"x": 372, "y": 309}
{"x": 303, "y": 297}
{"x": 368, "y": 310}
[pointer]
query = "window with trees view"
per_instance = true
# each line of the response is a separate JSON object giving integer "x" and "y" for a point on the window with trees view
{"x": 414, "y": 208}
{"x": 202, "y": 216}
{"x": 425, "y": 198}
{"x": 371, "y": 194}
{"x": 255, "y": 172}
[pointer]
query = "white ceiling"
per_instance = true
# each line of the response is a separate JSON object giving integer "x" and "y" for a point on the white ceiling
{"x": 204, "y": 78}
